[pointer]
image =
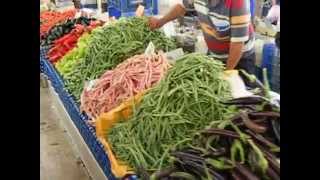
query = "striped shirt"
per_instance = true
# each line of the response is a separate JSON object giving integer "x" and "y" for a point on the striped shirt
{"x": 223, "y": 22}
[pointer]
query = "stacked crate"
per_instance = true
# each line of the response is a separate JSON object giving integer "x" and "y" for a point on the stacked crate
{"x": 118, "y": 8}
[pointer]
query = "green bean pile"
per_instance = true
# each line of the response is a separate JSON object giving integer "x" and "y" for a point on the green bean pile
{"x": 187, "y": 100}
{"x": 112, "y": 44}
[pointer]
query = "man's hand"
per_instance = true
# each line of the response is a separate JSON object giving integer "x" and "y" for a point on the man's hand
{"x": 155, "y": 23}
{"x": 177, "y": 11}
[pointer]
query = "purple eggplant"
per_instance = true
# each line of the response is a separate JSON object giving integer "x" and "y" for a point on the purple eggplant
{"x": 245, "y": 172}
{"x": 162, "y": 174}
{"x": 252, "y": 125}
{"x": 222, "y": 132}
{"x": 251, "y": 100}
{"x": 270, "y": 114}
{"x": 260, "y": 139}
{"x": 273, "y": 174}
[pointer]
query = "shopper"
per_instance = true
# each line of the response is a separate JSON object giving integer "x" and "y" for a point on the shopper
{"x": 227, "y": 29}
{"x": 77, "y": 4}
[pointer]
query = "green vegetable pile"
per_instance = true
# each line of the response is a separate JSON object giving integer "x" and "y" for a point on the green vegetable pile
{"x": 245, "y": 147}
{"x": 187, "y": 100}
{"x": 112, "y": 44}
{"x": 66, "y": 65}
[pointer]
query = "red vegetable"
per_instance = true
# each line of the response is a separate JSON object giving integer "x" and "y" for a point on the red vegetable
{"x": 50, "y": 18}
{"x": 67, "y": 42}
{"x": 134, "y": 75}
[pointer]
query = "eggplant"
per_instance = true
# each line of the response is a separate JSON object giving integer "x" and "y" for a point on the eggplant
{"x": 245, "y": 172}
{"x": 216, "y": 153}
{"x": 270, "y": 114}
{"x": 273, "y": 174}
{"x": 260, "y": 139}
{"x": 250, "y": 100}
{"x": 236, "y": 176}
{"x": 252, "y": 125}
{"x": 191, "y": 157}
{"x": 222, "y": 132}
{"x": 163, "y": 173}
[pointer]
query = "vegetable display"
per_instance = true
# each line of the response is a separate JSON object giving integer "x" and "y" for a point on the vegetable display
{"x": 109, "y": 46}
{"x": 48, "y": 19}
{"x": 64, "y": 44}
{"x": 157, "y": 120}
{"x": 67, "y": 63}
{"x": 132, "y": 76}
{"x": 61, "y": 29}
{"x": 243, "y": 148}
{"x": 170, "y": 114}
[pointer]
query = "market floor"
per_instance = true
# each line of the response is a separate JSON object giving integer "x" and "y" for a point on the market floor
{"x": 58, "y": 159}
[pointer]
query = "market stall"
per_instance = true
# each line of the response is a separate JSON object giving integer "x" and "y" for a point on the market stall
{"x": 140, "y": 105}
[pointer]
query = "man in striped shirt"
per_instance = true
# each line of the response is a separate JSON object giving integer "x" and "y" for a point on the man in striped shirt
{"x": 227, "y": 28}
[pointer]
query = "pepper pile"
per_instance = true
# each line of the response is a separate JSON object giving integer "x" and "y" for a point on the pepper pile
{"x": 184, "y": 102}
{"x": 67, "y": 63}
{"x": 110, "y": 45}
{"x": 64, "y": 44}
{"x": 50, "y": 18}
{"x": 61, "y": 29}
{"x": 243, "y": 148}
{"x": 134, "y": 75}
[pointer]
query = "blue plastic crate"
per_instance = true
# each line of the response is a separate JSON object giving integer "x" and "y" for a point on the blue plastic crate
{"x": 125, "y": 8}
{"x": 114, "y": 12}
{"x": 41, "y": 66}
{"x": 268, "y": 54}
{"x": 43, "y": 51}
{"x": 54, "y": 77}
{"x": 131, "y": 5}
{"x": 274, "y": 82}
{"x": 275, "y": 79}
{"x": 87, "y": 132}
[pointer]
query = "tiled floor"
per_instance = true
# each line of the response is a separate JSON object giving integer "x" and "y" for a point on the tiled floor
{"x": 58, "y": 160}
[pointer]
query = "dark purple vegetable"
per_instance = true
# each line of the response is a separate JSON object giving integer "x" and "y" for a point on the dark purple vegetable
{"x": 221, "y": 132}
{"x": 251, "y": 100}
{"x": 260, "y": 139}
{"x": 251, "y": 125}
{"x": 273, "y": 174}
{"x": 236, "y": 176}
{"x": 264, "y": 114}
{"x": 191, "y": 157}
{"x": 217, "y": 152}
{"x": 245, "y": 172}
{"x": 163, "y": 173}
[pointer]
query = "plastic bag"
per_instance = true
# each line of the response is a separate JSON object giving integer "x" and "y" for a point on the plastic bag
{"x": 106, "y": 121}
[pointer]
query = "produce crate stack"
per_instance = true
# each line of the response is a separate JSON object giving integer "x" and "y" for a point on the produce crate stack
{"x": 275, "y": 79}
{"x": 270, "y": 61}
{"x": 43, "y": 51}
{"x": 118, "y": 8}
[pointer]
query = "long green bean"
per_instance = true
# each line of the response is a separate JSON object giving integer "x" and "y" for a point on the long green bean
{"x": 185, "y": 101}
{"x": 109, "y": 46}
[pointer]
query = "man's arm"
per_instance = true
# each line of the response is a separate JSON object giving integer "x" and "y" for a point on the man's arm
{"x": 235, "y": 53}
{"x": 239, "y": 29}
{"x": 177, "y": 11}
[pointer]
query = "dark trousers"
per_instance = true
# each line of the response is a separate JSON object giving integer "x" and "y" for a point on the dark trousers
{"x": 247, "y": 63}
